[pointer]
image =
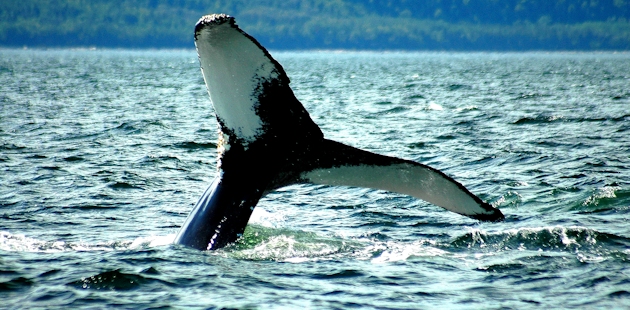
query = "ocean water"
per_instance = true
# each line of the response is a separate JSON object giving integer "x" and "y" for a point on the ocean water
{"x": 104, "y": 152}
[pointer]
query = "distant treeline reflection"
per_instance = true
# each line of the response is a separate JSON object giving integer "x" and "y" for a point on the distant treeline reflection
{"x": 326, "y": 24}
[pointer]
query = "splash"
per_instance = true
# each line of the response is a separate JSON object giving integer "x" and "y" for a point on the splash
{"x": 19, "y": 243}
{"x": 549, "y": 238}
{"x": 277, "y": 244}
{"x": 396, "y": 251}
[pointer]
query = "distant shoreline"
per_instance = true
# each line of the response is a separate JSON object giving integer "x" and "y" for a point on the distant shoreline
{"x": 430, "y": 25}
{"x": 272, "y": 50}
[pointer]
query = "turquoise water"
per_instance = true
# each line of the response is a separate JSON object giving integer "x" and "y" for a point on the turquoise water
{"x": 103, "y": 154}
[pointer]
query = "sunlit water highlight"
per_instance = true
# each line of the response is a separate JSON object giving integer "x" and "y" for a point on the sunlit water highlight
{"x": 104, "y": 153}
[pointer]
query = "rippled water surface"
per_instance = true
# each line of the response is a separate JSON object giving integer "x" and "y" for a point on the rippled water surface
{"x": 104, "y": 153}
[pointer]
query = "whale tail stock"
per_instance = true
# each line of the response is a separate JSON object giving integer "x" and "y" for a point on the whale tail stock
{"x": 268, "y": 140}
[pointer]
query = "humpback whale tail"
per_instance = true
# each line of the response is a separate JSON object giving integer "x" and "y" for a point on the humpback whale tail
{"x": 268, "y": 140}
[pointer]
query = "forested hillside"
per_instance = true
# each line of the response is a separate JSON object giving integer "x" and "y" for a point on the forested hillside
{"x": 308, "y": 24}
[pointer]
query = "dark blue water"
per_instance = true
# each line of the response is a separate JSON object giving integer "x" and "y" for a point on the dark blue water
{"x": 104, "y": 153}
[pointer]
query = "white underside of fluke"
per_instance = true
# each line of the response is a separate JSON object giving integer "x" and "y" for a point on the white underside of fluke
{"x": 234, "y": 69}
{"x": 413, "y": 180}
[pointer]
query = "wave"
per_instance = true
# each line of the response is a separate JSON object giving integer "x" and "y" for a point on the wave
{"x": 123, "y": 186}
{"x": 137, "y": 126}
{"x": 393, "y": 110}
{"x": 261, "y": 243}
{"x": 605, "y": 199}
{"x": 541, "y": 119}
{"x": 281, "y": 244}
{"x": 453, "y": 87}
{"x": 6, "y": 146}
{"x": 16, "y": 284}
{"x": 552, "y": 238}
{"x": 19, "y": 243}
{"x": 192, "y": 145}
{"x": 545, "y": 119}
{"x": 530, "y": 96}
{"x": 118, "y": 280}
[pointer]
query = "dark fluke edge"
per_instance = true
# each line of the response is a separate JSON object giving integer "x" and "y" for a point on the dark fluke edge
{"x": 267, "y": 140}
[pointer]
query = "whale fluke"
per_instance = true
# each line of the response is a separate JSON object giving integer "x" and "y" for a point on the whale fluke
{"x": 267, "y": 140}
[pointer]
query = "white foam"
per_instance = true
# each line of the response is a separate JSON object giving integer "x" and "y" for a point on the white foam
{"x": 152, "y": 241}
{"x": 434, "y": 107}
{"x": 395, "y": 252}
{"x": 19, "y": 243}
{"x": 265, "y": 218}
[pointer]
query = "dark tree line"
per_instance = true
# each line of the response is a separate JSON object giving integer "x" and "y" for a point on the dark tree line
{"x": 349, "y": 24}
{"x": 504, "y": 12}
